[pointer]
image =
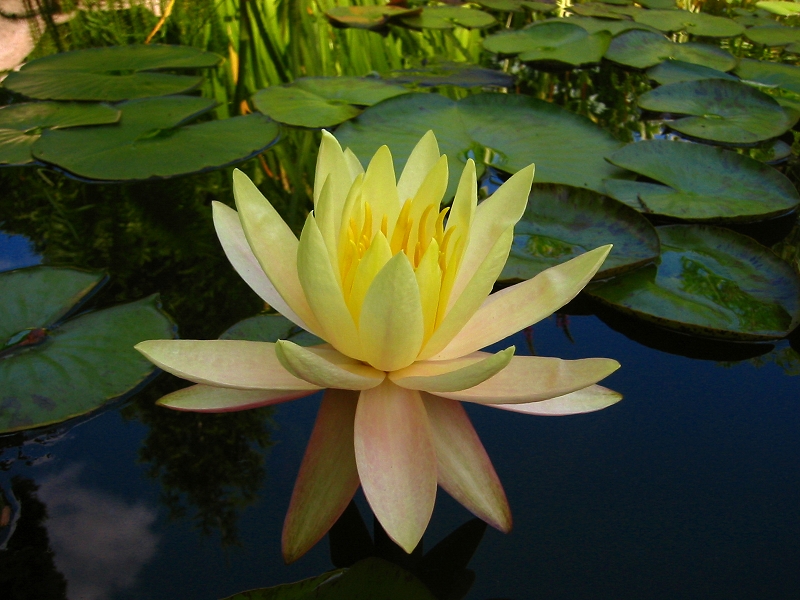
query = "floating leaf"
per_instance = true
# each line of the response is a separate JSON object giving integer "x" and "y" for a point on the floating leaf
{"x": 710, "y": 281}
{"x": 673, "y": 71}
{"x": 50, "y": 370}
{"x": 113, "y": 73}
{"x": 593, "y": 25}
{"x": 722, "y": 111}
{"x": 448, "y": 17}
{"x": 506, "y": 131}
{"x": 269, "y": 328}
{"x": 366, "y": 17}
{"x": 598, "y": 9}
{"x": 151, "y": 142}
{"x": 551, "y": 41}
{"x": 22, "y": 124}
{"x": 784, "y": 9}
{"x": 657, "y": 4}
{"x": 322, "y": 101}
{"x": 702, "y": 183}
{"x": 561, "y": 222}
{"x": 770, "y": 74}
{"x": 774, "y": 35}
{"x": 695, "y": 23}
{"x": 460, "y": 74}
{"x": 517, "y": 5}
{"x": 642, "y": 49}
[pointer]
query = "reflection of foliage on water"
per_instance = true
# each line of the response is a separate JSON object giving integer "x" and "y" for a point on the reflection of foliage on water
{"x": 210, "y": 466}
{"x": 786, "y": 358}
{"x": 698, "y": 280}
{"x": 27, "y": 568}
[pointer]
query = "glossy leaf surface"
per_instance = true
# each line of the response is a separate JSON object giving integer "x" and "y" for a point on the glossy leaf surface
{"x": 642, "y": 49}
{"x": 551, "y": 41}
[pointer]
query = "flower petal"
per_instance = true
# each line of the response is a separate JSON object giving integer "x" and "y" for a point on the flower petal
{"x": 492, "y": 219}
{"x": 328, "y": 477}
{"x": 464, "y": 468}
{"x": 379, "y": 188}
{"x": 353, "y": 164}
{"x": 422, "y": 159}
{"x": 323, "y": 292}
{"x": 224, "y": 363}
{"x": 327, "y": 367}
{"x": 466, "y": 199}
{"x": 452, "y": 375}
{"x": 391, "y": 323}
{"x": 519, "y": 306}
{"x": 206, "y": 398}
{"x": 534, "y": 378}
{"x": 333, "y": 167}
{"x": 589, "y": 399}
{"x": 396, "y": 461}
{"x": 274, "y": 245}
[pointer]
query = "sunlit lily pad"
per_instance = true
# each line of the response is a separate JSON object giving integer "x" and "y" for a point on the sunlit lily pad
{"x": 771, "y": 74}
{"x": 366, "y": 17}
{"x": 114, "y": 73}
{"x": 660, "y": 4}
{"x": 593, "y": 25}
{"x": 561, "y": 222}
{"x": 448, "y": 17}
{"x": 713, "y": 282}
{"x": 506, "y": 131}
{"x": 322, "y": 101}
{"x": 701, "y": 183}
{"x": 53, "y": 369}
{"x": 459, "y": 74}
{"x": 598, "y": 9}
{"x": 642, "y": 49}
{"x": 517, "y": 5}
{"x": 774, "y": 35}
{"x": 673, "y": 71}
{"x": 696, "y": 23}
{"x": 551, "y": 41}
{"x": 22, "y": 124}
{"x": 721, "y": 111}
{"x": 151, "y": 141}
{"x": 777, "y": 7}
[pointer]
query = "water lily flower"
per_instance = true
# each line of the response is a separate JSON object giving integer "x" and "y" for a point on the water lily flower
{"x": 399, "y": 289}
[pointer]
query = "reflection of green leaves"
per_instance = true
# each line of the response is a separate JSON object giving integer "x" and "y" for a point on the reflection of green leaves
{"x": 721, "y": 111}
{"x": 150, "y": 141}
{"x": 642, "y": 49}
{"x": 52, "y": 371}
{"x": 448, "y": 17}
{"x": 696, "y": 23}
{"x": 713, "y": 282}
{"x": 505, "y": 131}
{"x": 551, "y": 41}
{"x": 562, "y": 222}
{"x": 114, "y": 73}
{"x": 322, "y": 101}
{"x": 701, "y": 183}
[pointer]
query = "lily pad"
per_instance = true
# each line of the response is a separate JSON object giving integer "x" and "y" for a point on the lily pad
{"x": 774, "y": 35}
{"x": 517, "y": 5}
{"x": 551, "y": 41}
{"x": 151, "y": 141}
{"x": 322, "y": 101}
{"x": 701, "y": 183}
{"x": 721, "y": 111}
{"x": 673, "y": 71}
{"x": 269, "y": 328}
{"x": 593, "y": 25}
{"x": 53, "y": 369}
{"x": 448, "y": 17}
{"x": 113, "y": 73}
{"x": 561, "y": 222}
{"x": 22, "y": 124}
{"x": 770, "y": 74}
{"x": 598, "y": 9}
{"x": 506, "y": 131}
{"x": 657, "y": 4}
{"x": 366, "y": 17}
{"x": 459, "y": 74}
{"x": 642, "y": 49}
{"x": 776, "y": 7}
{"x": 695, "y": 23}
{"x": 713, "y": 282}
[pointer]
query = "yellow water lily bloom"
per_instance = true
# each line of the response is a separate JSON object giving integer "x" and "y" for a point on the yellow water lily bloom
{"x": 399, "y": 288}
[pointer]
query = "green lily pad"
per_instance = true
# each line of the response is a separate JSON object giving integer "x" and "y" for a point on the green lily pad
{"x": 459, "y": 74}
{"x": 695, "y": 23}
{"x": 151, "y": 141}
{"x": 506, "y": 131}
{"x": 366, "y": 17}
{"x": 756, "y": 20}
{"x": 551, "y": 41}
{"x": 657, "y": 4}
{"x": 448, "y": 17}
{"x": 598, "y": 9}
{"x": 701, "y": 183}
{"x": 114, "y": 73}
{"x": 710, "y": 281}
{"x": 673, "y": 71}
{"x": 517, "y": 5}
{"x": 269, "y": 328}
{"x": 774, "y": 35}
{"x": 53, "y": 370}
{"x": 776, "y": 7}
{"x": 593, "y": 25}
{"x": 770, "y": 74}
{"x": 642, "y": 49}
{"x": 721, "y": 111}
{"x": 322, "y": 101}
{"x": 561, "y": 222}
{"x": 793, "y": 48}
{"x": 22, "y": 124}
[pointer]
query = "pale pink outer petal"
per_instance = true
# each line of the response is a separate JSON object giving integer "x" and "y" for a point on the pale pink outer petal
{"x": 328, "y": 477}
{"x": 465, "y": 471}
{"x": 234, "y": 243}
{"x": 224, "y": 363}
{"x": 535, "y": 378}
{"x": 206, "y": 398}
{"x": 589, "y": 399}
{"x": 396, "y": 461}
